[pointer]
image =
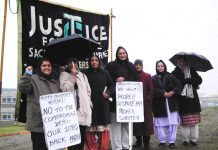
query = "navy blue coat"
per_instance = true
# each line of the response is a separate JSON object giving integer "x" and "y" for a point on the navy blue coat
{"x": 167, "y": 84}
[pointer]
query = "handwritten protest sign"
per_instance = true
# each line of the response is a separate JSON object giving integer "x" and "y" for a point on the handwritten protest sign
{"x": 129, "y": 99}
{"x": 60, "y": 120}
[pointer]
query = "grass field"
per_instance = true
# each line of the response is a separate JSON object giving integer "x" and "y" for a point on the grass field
{"x": 13, "y": 129}
{"x": 208, "y": 135}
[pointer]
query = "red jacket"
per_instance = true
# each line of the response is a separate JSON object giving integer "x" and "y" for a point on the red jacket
{"x": 146, "y": 127}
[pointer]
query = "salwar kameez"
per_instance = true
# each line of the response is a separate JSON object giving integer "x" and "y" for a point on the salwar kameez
{"x": 189, "y": 104}
{"x": 189, "y": 126}
{"x": 97, "y": 138}
{"x": 166, "y": 127}
{"x": 98, "y": 135}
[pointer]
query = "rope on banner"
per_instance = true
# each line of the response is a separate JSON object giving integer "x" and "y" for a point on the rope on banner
{"x": 9, "y": 1}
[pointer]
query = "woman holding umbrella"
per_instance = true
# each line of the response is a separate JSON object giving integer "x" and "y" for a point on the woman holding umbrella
{"x": 76, "y": 82}
{"x": 98, "y": 136}
{"x": 188, "y": 101}
{"x": 164, "y": 104}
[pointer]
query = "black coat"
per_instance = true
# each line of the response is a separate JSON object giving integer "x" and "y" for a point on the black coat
{"x": 189, "y": 105}
{"x": 98, "y": 80}
{"x": 167, "y": 84}
{"x": 121, "y": 69}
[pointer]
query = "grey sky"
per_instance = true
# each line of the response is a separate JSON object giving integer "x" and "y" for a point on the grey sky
{"x": 148, "y": 29}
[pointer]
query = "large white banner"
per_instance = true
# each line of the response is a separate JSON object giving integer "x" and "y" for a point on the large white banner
{"x": 60, "y": 120}
{"x": 129, "y": 99}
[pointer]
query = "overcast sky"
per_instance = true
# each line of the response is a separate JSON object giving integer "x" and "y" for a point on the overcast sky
{"x": 149, "y": 29}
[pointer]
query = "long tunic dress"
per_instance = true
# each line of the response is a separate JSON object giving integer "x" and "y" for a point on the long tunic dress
{"x": 189, "y": 107}
{"x": 166, "y": 117}
{"x": 98, "y": 136}
{"x": 145, "y": 128}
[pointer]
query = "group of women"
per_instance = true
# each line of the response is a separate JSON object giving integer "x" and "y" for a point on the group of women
{"x": 171, "y": 98}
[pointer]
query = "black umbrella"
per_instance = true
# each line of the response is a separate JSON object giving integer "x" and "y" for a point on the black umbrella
{"x": 199, "y": 62}
{"x": 60, "y": 50}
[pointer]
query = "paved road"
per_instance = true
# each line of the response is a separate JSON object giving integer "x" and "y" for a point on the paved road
{"x": 18, "y": 142}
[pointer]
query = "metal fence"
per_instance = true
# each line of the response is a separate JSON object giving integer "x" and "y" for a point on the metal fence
{"x": 208, "y": 102}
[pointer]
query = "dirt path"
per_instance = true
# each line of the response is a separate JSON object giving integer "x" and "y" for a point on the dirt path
{"x": 208, "y": 139}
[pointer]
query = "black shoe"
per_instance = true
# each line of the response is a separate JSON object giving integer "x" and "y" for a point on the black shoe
{"x": 172, "y": 145}
{"x": 138, "y": 144}
{"x": 146, "y": 147}
{"x": 161, "y": 145}
{"x": 193, "y": 143}
{"x": 185, "y": 143}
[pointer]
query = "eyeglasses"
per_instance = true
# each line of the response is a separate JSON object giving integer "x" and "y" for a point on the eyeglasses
{"x": 46, "y": 66}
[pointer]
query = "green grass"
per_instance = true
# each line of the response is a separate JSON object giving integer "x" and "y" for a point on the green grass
{"x": 13, "y": 129}
{"x": 208, "y": 133}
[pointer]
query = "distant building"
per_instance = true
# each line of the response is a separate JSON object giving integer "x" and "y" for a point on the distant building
{"x": 8, "y": 103}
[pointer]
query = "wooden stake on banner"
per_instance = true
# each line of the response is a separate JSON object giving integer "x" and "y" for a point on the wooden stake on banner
{"x": 130, "y": 135}
{"x": 111, "y": 34}
{"x": 2, "y": 50}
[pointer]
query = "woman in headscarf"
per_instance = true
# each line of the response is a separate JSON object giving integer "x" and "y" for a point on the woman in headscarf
{"x": 188, "y": 101}
{"x": 72, "y": 80}
{"x": 120, "y": 70}
{"x": 143, "y": 130}
{"x": 102, "y": 87}
{"x": 164, "y": 104}
{"x": 36, "y": 85}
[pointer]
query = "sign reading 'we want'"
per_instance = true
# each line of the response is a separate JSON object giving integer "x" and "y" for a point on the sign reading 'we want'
{"x": 129, "y": 101}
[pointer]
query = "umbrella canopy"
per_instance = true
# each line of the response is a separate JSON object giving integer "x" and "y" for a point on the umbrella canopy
{"x": 199, "y": 62}
{"x": 60, "y": 50}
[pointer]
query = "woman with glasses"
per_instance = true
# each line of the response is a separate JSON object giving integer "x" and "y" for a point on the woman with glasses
{"x": 121, "y": 69}
{"x": 41, "y": 82}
